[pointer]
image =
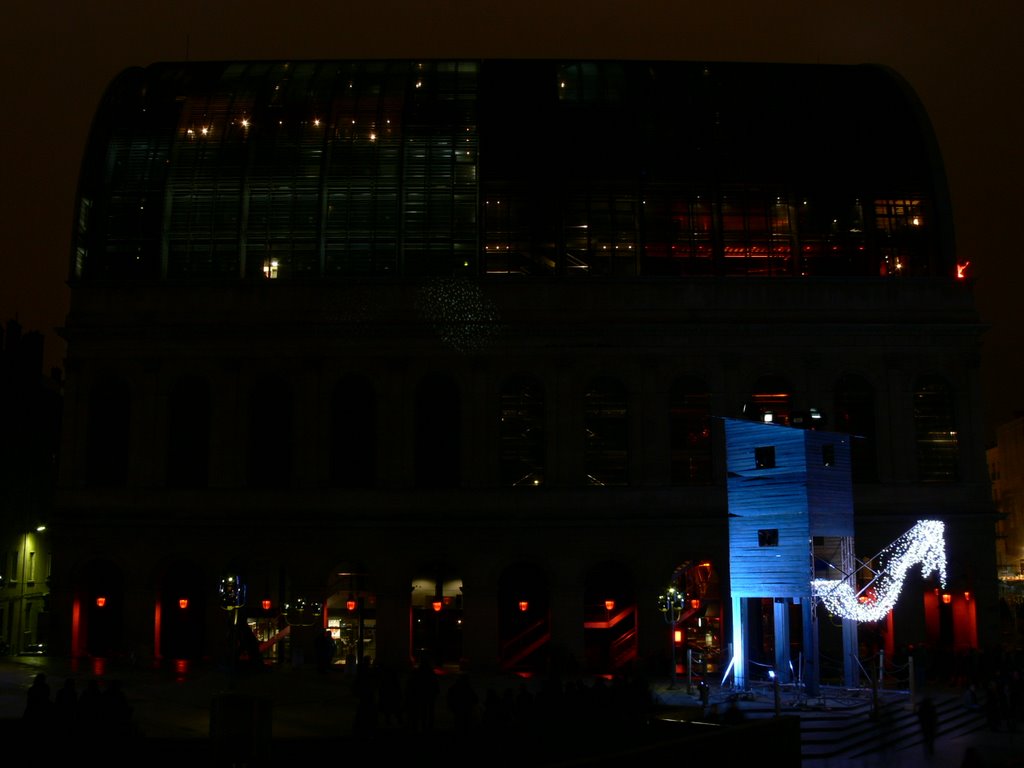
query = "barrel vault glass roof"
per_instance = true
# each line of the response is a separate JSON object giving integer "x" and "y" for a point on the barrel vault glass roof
{"x": 509, "y": 169}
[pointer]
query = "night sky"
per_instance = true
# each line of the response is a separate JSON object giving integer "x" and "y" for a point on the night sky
{"x": 965, "y": 60}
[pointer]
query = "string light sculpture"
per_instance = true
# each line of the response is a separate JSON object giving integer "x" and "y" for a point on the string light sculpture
{"x": 462, "y": 315}
{"x": 923, "y": 544}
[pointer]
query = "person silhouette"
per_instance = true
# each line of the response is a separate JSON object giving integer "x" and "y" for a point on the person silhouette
{"x": 928, "y": 717}
{"x": 89, "y": 703}
{"x": 38, "y": 704}
{"x": 65, "y": 705}
{"x": 422, "y": 690}
{"x": 462, "y": 702}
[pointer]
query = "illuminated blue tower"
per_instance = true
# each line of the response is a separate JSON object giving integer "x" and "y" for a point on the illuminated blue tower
{"x": 790, "y": 493}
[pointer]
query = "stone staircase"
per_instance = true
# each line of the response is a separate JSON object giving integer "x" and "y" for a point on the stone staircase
{"x": 851, "y": 726}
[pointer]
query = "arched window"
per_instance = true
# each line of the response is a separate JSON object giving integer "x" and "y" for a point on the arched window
{"x": 606, "y": 444}
{"x": 770, "y": 400}
{"x": 438, "y": 433}
{"x": 109, "y": 434}
{"x": 855, "y": 415}
{"x": 353, "y": 434}
{"x": 935, "y": 431}
{"x": 690, "y": 425}
{"x": 522, "y": 460}
{"x": 188, "y": 434}
{"x": 270, "y": 448}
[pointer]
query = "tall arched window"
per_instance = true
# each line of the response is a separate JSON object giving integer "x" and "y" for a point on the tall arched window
{"x": 188, "y": 434}
{"x": 690, "y": 425}
{"x": 108, "y": 434}
{"x": 935, "y": 431}
{"x": 855, "y": 415}
{"x": 438, "y": 433}
{"x": 353, "y": 434}
{"x": 270, "y": 448}
{"x": 522, "y": 459}
{"x": 606, "y": 443}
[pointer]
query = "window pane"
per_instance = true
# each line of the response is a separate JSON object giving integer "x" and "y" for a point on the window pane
{"x": 935, "y": 431}
{"x": 690, "y": 419}
{"x": 606, "y": 431}
{"x": 522, "y": 459}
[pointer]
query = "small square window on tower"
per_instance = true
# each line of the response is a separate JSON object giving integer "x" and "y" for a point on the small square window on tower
{"x": 768, "y": 537}
{"x": 764, "y": 457}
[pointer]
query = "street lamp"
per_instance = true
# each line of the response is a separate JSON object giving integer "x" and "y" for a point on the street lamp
{"x": 301, "y": 614}
{"x": 671, "y": 604}
{"x": 232, "y": 597}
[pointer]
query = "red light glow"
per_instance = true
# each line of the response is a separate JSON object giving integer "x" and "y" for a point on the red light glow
{"x": 183, "y": 603}
{"x": 609, "y": 605}
{"x": 101, "y": 601}
{"x": 523, "y": 605}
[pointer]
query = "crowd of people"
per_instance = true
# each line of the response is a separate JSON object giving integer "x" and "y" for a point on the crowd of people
{"x": 388, "y": 701}
{"x": 95, "y": 712}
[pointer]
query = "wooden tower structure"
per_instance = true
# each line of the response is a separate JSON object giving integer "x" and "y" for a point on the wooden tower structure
{"x": 790, "y": 501}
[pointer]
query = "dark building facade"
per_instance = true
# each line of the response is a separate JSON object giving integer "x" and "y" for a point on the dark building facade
{"x": 438, "y": 347}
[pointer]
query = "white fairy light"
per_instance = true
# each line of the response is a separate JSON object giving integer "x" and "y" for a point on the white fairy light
{"x": 923, "y": 544}
{"x": 462, "y": 315}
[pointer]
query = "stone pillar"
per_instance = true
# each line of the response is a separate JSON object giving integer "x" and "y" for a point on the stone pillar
{"x": 393, "y": 632}
{"x": 480, "y": 624}
{"x": 740, "y": 617}
{"x": 781, "y": 615}
{"x": 566, "y": 612}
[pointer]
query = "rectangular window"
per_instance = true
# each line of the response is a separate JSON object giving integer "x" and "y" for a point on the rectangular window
{"x": 768, "y": 537}
{"x": 764, "y": 457}
{"x": 828, "y": 455}
{"x": 31, "y": 574}
{"x": 14, "y": 565}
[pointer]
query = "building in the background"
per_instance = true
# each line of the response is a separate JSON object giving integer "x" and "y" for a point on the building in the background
{"x": 431, "y": 353}
{"x": 30, "y": 410}
{"x": 1006, "y": 469}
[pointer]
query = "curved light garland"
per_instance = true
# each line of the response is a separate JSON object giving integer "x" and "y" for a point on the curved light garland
{"x": 924, "y": 544}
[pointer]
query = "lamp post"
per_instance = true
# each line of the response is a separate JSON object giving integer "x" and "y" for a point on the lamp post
{"x": 232, "y": 597}
{"x": 303, "y": 613}
{"x": 671, "y": 604}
